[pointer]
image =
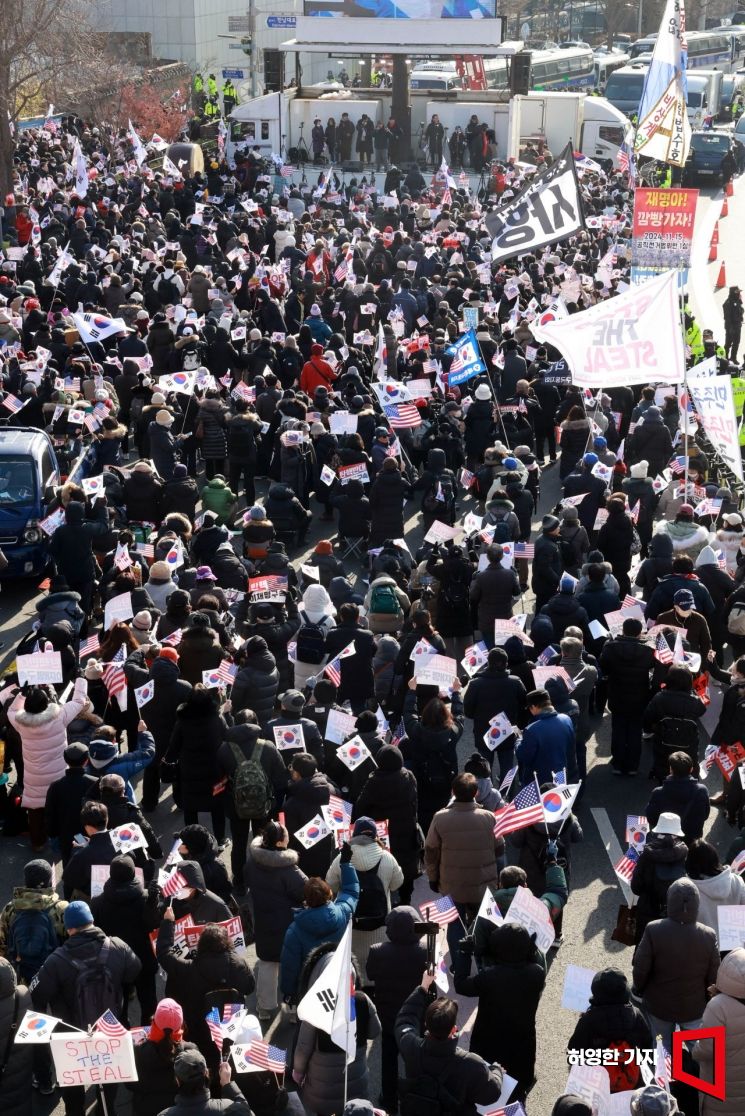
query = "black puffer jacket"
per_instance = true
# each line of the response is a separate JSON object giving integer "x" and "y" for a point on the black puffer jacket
{"x": 386, "y": 501}
{"x": 661, "y": 863}
{"x": 155, "y": 1088}
{"x": 197, "y": 735}
{"x": 275, "y": 884}
{"x": 127, "y": 910}
{"x": 171, "y": 690}
{"x": 390, "y": 792}
{"x": 651, "y": 442}
{"x": 395, "y": 966}
{"x": 431, "y": 755}
{"x": 199, "y": 650}
{"x": 612, "y": 1019}
{"x": 52, "y": 987}
{"x": 245, "y": 737}
{"x": 142, "y": 496}
{"x": 284, "y": 509}
{"x": 180, "y": 496}
{"x": 304, "y": 800}
{"x": 256, "y": 683}
{"x": 71, "y": 545}
{"x": 14, "y": 1003}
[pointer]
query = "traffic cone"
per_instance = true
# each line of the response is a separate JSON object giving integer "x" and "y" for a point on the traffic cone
{"x": 729, "y": 189}
{"x": 725, "y": 208}
{"x": 721, "y": 278}
{"x": 713, "y": 247}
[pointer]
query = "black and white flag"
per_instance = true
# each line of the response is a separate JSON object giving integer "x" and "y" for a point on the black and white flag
{"x": 547, "y": 210}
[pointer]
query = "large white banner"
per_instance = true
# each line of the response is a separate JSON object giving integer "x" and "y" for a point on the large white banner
{"x": 635, "y": 338}
{"x": 712, "y": 398}
{"x": 663, "y": 131}
{"x": 547, "y": 210}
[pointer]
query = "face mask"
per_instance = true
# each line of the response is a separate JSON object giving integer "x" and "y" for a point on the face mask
{"x": 183, "y": 893}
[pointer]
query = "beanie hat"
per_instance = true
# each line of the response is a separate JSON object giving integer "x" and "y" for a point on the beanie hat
{"x": 590, "y": 459}
{"x": 639, "y": 471}
{"x": 567, "y": 583}
{"x": 653, "y": 1101}
{"x": 180, "y": 472}
{"x": 38, "y": 873}
{"x": 158, "y": 399}
{"x": 324, "y": 547}
{"x": 365, "y": 827}
{"x": 389, "y": 758}
{"x": 143, "y": 621}
{"x": 599, "y": 443}
{"x": 685, "y": 511}
{"x": 77, "y": 915}
{"x": 122, "y": 869}
{"x": 256, "y": 512}
{"x": 75, "y": 754}
{"x": 204, "y": 573}
{"x": 160, "y": 571}
{"x": 549, "y": 523}
{"x": 168, "y": 653}
{"x": 511, "y": 464}
{"x": 101, "y": 752}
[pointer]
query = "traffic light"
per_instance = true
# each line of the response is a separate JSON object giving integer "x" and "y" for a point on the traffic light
{"x": 520, "y": 74}
{"x": 272, "y": 70}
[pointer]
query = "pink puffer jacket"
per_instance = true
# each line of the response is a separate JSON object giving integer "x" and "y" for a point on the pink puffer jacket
{"x": 44, "y": 739}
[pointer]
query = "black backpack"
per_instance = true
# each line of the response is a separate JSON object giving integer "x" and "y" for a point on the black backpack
{"x": 454, "y": 593}
{"x": 502, "y": 530}
{"x": 32, "y": 937}
{"x": 427, "y": 1096}
{"x": 446, "y": 482}
{"x": 94, "y": 987}
{"x": 310, "y": 642}
{"x": 168, "y": 293}
{"x": 372, "y": 905}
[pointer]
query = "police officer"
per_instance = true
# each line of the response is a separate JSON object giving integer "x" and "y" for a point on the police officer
{"x": 211, "y": 86}
{"x": 229, "y": 96}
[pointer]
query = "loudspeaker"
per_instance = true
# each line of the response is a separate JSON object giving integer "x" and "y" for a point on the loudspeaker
{"x": 520, "y": 72}
{"x": 273, "y": 67}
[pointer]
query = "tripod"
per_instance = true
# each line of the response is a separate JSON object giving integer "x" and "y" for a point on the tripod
{"x": 303, "y": 155}
{"x": 484, "y": 185}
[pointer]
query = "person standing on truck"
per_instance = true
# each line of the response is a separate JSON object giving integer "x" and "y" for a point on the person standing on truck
{"x": 229, "y": 97}
{"x": 457, "y": 146}
{"x": 345, "y": 134}
{"x": 434, "y": 135}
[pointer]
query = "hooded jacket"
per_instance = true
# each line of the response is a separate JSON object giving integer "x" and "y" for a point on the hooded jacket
{"x": 53, "y": 989}
{"x": 275, "y": 884}
{"x": 43, "y": 740}
{"x": 199, "y": 650}
{"x": 548, "y": 745}
{"x": 651, "y": 442}
{"x": 725, "y": 889}
{"x": 71, "y": 545}
{"x": 198, "y": 732}
{"x": 217, "y": 497}
{"x": 159, "y": 714}
{"x": 256, "y": 685}
{"x": 659, "y": 564}
{"x": 130, "y": 911}
{"x": 395, "y": 966}
{"x": 677, "y": 959}
{"x": 612, "y": 1019}
{"x": 688, "y": 538}
{"x": 15, "y": 1001}
{"x": 460, "y": 852}
{"x": 204, "y": 905}
{"x": 313, "y": 925}
{"x": 246, "y": 738}
{"x": 32, "y": 899}
{"x": 726, "y": 1009}
{"x": 685, "y": 796}
{"x": 661, "y": 863}
{"x": 627, "y": 663}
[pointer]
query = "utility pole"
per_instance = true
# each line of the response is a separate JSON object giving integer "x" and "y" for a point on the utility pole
{"x": 252, "y": 32}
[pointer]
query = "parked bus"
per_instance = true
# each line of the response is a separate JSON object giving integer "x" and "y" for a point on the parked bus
{"x": 707, "y": 50}
{"x": 573, "y": 68}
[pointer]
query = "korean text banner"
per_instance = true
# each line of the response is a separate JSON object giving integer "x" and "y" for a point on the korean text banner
{"x": 635, "y": 338}
{"x": 712, "y": 398}
{"x": 663, "y": 228}
{"x": 663, "y": 131}
{"x": 402, "y": 9}
{"x": 547, "y": 210}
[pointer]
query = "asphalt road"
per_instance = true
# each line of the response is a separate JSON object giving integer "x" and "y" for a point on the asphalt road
{"x": 591, "y": 913}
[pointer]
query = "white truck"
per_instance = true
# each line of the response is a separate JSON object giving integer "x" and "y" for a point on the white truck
{"x": 704, "y": 96}
{"x": 591, "y": 124}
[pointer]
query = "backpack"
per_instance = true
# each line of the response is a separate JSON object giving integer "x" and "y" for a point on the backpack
{"x": 31, "y": 939}
{"x": 502, "y": 531}
{"x": 168, "y": 295}
{"x": 383, "y": 600}
{"x": 94, "y": 987}
{"x": 252, "y": 792}
{"x": 431, "y": 503}
{"x": 568, "y": 554}
{"x": 427, "y": 1096}
{"x": 736, "y": 619}
{"x": 311, "y": 642}
{"x": 136, "y": 407}
{"x": 454, "y": 594}
{"x": 372, "y": 905}
{"x": 190, "y": 360}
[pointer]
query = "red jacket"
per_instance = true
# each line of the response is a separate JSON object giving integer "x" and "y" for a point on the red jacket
{"x": 316, "y": 372}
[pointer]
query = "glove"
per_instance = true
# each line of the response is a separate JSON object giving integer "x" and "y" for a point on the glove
{"x": 552, "y": 850}
{"x": 346, "y": 853}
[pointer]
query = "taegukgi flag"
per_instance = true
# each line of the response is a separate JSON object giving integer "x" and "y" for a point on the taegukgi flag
{"x": 547, "y": 210}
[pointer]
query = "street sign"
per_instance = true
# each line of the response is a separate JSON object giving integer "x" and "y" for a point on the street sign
{"x": 234, "y": 75}
{"x": 281, "y": 21}
{"x": 239, "y": 25}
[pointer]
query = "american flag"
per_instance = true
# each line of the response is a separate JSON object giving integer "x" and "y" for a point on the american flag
{"x": 626, "y": 162}
{"x": 629, "y": 601}
{"x": 547, "y": 657}
{"x": 92, "y": 423}
{"x": 229, "y": 1010}
{"x": 337, "y": 803}
{"x": 109, "y": 1025}
{"x": 173, "y": 639}
{"x": 663, "y": 1066}
{"x": 402, "y": 416}
{"x": 398, "y": 734}
{"x": 173, "y": 884}
{"x": 663, "y": 654}
{"x": 442, "y": 911}
{"x": 89, "y": 646}
{"x": 524, "y": 550}
{"x": 333, "y": 670}
{"x": 504, "y": 786}
{"x": 147, "y": 550}
{"x": 113, "y": 674}
{"x": 212, "y": 1019}
{"x": 525, "y": 809}
{"x": 515, "y": 1109}
{"x": 227, "y": 672}
{"x": 626, "y": 865}
{"x": 634, "y": 513}
{"x": 14, "y": 405}
{"x": 678, "y": 466}
{"x": 447, "y": 197}
{"x": 268, "y": 1057}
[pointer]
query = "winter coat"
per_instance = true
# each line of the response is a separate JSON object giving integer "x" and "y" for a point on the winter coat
{"x": 682, "y": 795}
{"x": 321, "y": 1063}
{"x": 392, "y": 796}
{"x": 231, "y": 1101}
{"x": 384, "y": 621}
{"x": 142, "y": 496}
{"x": 56, "y": 607}
{"x": 302, "y": 803}
{"x": 460, "y": 851}
{"x": 658, "y": 565}
{"x": 694, "y": 629}
{"x": 532, "y": 841}
{"x": 203, "y": 905}
{"x": 595, "y": 490}
{"x": 356, "y": 670}
{"x": 574, "y": 436}
{"x": 547, "y": 568}
{"x": 366, "y": 856}
{"x": 212, "y": 414}
{"x": 76, "y": 877}
{"x": 354, "y": 515}
{"x": 244, "y": 434}
{"x": 155, "y": 1088}
{"x": 15, "y": 1001}
{"x": 672, "y": 703}
{"x": 53, "y": 989}
{"x": 275, "y": 884}
{"x": 431, "y": 755}
{"x": 170, "y": 691}
{"x": 63, "y": 802}
{"x": 491, "y": 594}
{"x": 729, "y": 542}
{"x": 688, "y": 538}
{"x": 180, "y": 496}
{"x": 508, "y": 990}
{"x": 677, "y": 959}
{"x": 395, "y": 964}
{"x": 650, "y": 442}
{"x": 727, "y": 888}
{"x": 43, "y": 740}
{"x": 195, "y": 742}
{"x": 547, "y": 745}
{"x": 493, "y": 691}
{"x": 479, "y": 424}
{"x": 627, "y": 664}
{"x": 661, "y": 599}
{"x": 32, "y": 899}
{"x": 464, "y": 1075}
{"x": 611, "y": 1019}
{"x": 614, "y": 539}
{"x": 313, "y": 925}
{"x": 189, "y": 980}
{"x": 217, "y": 497}
{"x": 246, "y": 737}
{"x": 639, "y": 492}
{"x": 256, "y": 685}
{"x": 726, "y": 1009}
{"x": 71, "y": 545}
{"x": 285, "y": 510}
{"x": 163, "y": 450}
{"x": 128, "y": 909}
{"x": 565, "y": 611}
{"x": 160, "y": 342}
{"x": 661, "y": 863}
{"x": 199, "y": 650}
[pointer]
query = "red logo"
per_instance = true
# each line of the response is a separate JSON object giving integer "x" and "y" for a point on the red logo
{"x": 713, "y": 1088}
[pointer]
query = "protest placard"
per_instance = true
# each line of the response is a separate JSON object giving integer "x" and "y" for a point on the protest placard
{"x": 525, "y": 910}
{"x": 576, "y": 993}
{"x": 233, "y": 926}
{"x": 100, "y": 874}
{"x": 436, "y": 670}
{"x": 118, "y": 608}
{"x": 96, "y": 1059}
{"x": 39, "y": 668}
{"x": 731, "y": 922}
{"x": 339, "y": 725}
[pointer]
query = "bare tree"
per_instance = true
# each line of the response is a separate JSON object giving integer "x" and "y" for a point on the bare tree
{"x": 45, "y": 45}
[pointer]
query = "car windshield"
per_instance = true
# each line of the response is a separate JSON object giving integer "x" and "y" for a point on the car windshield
{"x": 17, "y": 484}
{"x": 710, "y": 144}
{"x": 695, "y": 100}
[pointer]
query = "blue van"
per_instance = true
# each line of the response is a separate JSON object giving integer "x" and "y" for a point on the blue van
{"x": 29, "y": 473}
